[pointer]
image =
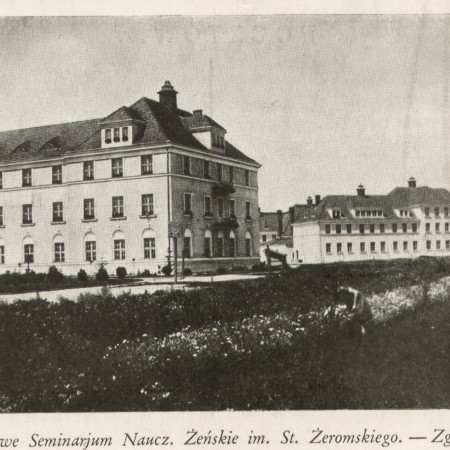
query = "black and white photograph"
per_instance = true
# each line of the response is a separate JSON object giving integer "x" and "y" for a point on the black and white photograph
{"x": 224, "y": 213}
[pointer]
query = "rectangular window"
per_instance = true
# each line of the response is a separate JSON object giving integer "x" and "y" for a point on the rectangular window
{"x": 327, "y": 229}
{"x": 414, "y": 227}
{"x": 207, "y": 247}
{"x": 438, "y": 245}
{"x": 428, "y": 245}
{"x": 26, "y": 177}
{"x": 232, "y": 205}
{"x": 415, "y": 246}
{"x": 447, "y": 229}
{"x": 436, "y": 212}
{"x": 187, "y": 204}
{"x": 338, "y": 229}
{"x": 1, "y": 216}
{"x": 446, "y": 211}
{"x": 1, "y": 180}
{"x": 91, "y": 250}
{"x": 231, "y": 174}
{"x": 405, "y": 227}
{"x": 58, "y": 211}
{"x": 89, "y": 209}
{"x": 436, "y": 225}
{"x": 372, "y": 228}
{"x": 447, "y": 245}
{"x": 207, "y": 206}
{"x": 220, "y": 207}
{"x": 383, "y": 246}
{"x": 125, "y": 134}
{"x": 264, "y": 238}
{"x": 248, "y": 212}
{"x": 381, "y": 227}
{"x": 56, "y": 174}
{"x": 219, "y": 171}
{"x": 427, "y": 227}
{"x": 88, "y": 170}
{"x": 117, "y": 167}
{"x": 349, "y": 247}
{"x": 247, "y": 177}
{"x": 206, "y": 171}
{"x": 117, "y": 207}
{"x": 116, "y": 134}
{"x": 27, "y": 214}
{"x": 394, "y": 228}
{"x": 146, "y": 164}
{"x": 362, "y": 247}
{"x": 28, "y": 253}
{"x": 108, "y": 136}
{"x": 186, "y": 165}
{"x": 339, "y": 247}
{"x": 147, "y": 205}
{"x": 119, "y": 249}
{"x": 187, "y": 247}
{"x": 405, "y": 246}
{"x": 59, "y": 252}
{"x": 395, "y": 246}
{"x": 361, "y": 228}
{"x": 149, "y": 248}
{"x": 427, "y": 212}
{"x": 349, "y": 228}
{"x": 372, "y": 247}
{"x": 2, "y": 254}
{"x": 328, "y": 247}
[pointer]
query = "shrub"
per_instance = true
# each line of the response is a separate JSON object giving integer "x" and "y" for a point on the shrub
{"x": 82, "y": 275}
{"x": 102, "y": 274}
{"x": 121, "y": 272}
{"x": 166, "y": 270}
{"x": 187, "y": 272}
{"x": 146, "y": 273}
{"x": 54, "y": 274}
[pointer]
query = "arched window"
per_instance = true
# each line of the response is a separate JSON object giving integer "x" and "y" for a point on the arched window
{"x": 58, "y": 249}
{"x": 149, "y": 241}
{"x": 208, "y": 244}
{"x": 90, "y": 247}
{"x": 248, "y": 244}
{"x": 187, "y": 243}
{"x": 220, "y": 246}
{"x": 119, "y": 245}
{"x": 28, "y": 250}
{"x": 232, "y": 244}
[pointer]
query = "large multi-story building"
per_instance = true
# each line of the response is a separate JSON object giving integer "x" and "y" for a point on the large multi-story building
{"x": 121, "y": 189}
{"x": 408, "y": 222}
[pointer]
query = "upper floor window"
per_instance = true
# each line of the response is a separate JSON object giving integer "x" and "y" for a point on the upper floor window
{"x": 1, "y": 180}
{"x": 414, "y": 227}
{"x": 361, "y": 228}
{"x": 27, "y": 214}
{"x": 327, "y": 229}
{"x": 427, "y": 227}
{"x": 437, "y": 227}
{"x": 57, "y": 174}
{"x": 147, "y": 205}
{"x": 247, "y": 177}
{"x": 446, "y": 211}
{"x": 436, "y": 212}
{"x": 146, "y": 164}
{"x": 220, "y": 207}
{"x": 219, "y": 172}
{"x": 231, "y": 174}
{"x": 405, "y": 227}
{"x": 26, "y": 177}
{"x": 427, "y": 212}
{"x": 57, "y": 211}
{"x": 394, "y": 228}
{"x": 1, "y": 216}
{"x": 89, "y": 209}
{"x": 125, "y": 134}
{"x": 187, "y": 203}
{"x": 206, "y": 173}
{"x": 108, "y": 136}
{"x": 338, "y": 229}
{"x": 116, "y": 134}
{"x": 186, "y": 165}
{"x": 117, "y": 167}
{"x": 88, "y": 170}
{"x": 208, "y": 207}
{"x": 381, "y": 227}
{"x": 117, "y": 206}
{"x": 349, "y": 228}
{"x": 232, "y": 205}
{"x": 372, "y": 228}
{"x": 248, "y": 211}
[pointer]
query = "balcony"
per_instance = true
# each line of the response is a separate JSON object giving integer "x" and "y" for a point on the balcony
{"x": 222, "y": 188}
{"x": 225, "y": 223}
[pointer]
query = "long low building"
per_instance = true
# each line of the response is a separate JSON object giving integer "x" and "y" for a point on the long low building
{"x": 408, "y": 222}
{"x": 120, "y": 189}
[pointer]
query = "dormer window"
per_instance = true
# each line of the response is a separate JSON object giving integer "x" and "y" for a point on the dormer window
{"x": 108, "y": 136}
{"x": 116, "y": 134}
{"x": 125, "y": 134}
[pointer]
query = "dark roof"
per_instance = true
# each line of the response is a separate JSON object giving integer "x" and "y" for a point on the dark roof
{"x": 200, "y": 121}
{"x": 283, "y": 240}
{"x": 160, "y": 124}
{"x": 418, "y": 196}
{"x": 268, "y": 221}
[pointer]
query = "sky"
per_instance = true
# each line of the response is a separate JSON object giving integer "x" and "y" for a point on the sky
{"x": 323, "y": 103}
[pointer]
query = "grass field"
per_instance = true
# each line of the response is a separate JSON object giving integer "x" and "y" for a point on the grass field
{"x": 260, "y": 344}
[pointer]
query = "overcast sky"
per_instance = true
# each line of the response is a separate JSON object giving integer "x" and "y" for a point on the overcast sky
{"x": 322, "y": 102}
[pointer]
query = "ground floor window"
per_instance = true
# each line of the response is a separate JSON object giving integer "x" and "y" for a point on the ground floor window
{"x": 28, "y": 253}
{"x": 119, "y": 249}
{"x": 328, "y": 247}
{"x": 207, "y": 244}
{"x": 248, "y": 244}
{"x": 91, "y": 251}
{"x": 414, "y": 245}
{"x": 59, "y": 252}
{"x": 2, "y": 254}
{"x": 220, "y": 244}
{"x": 428, "y": 245}
{"x": 438, "y": 245}
{"x": 232, "y": 244}
{"x": 349, "y": 247}
{"x": 362, "y": 247}
{"x": 447, "y": 245}
{"x": 149, "y": 248}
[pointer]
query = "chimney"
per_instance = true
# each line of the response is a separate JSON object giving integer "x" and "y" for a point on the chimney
{"x": 317, "y": 197}
{"x": 291, "y": 214}
{"x": 168, "y": 96}
{"x": 198, "y": 112}
{"x": 309, "y": 201}
{"x": 280, "y": 222}
{"x": 412, "y": 182}
{"x": 361, "y": 191}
